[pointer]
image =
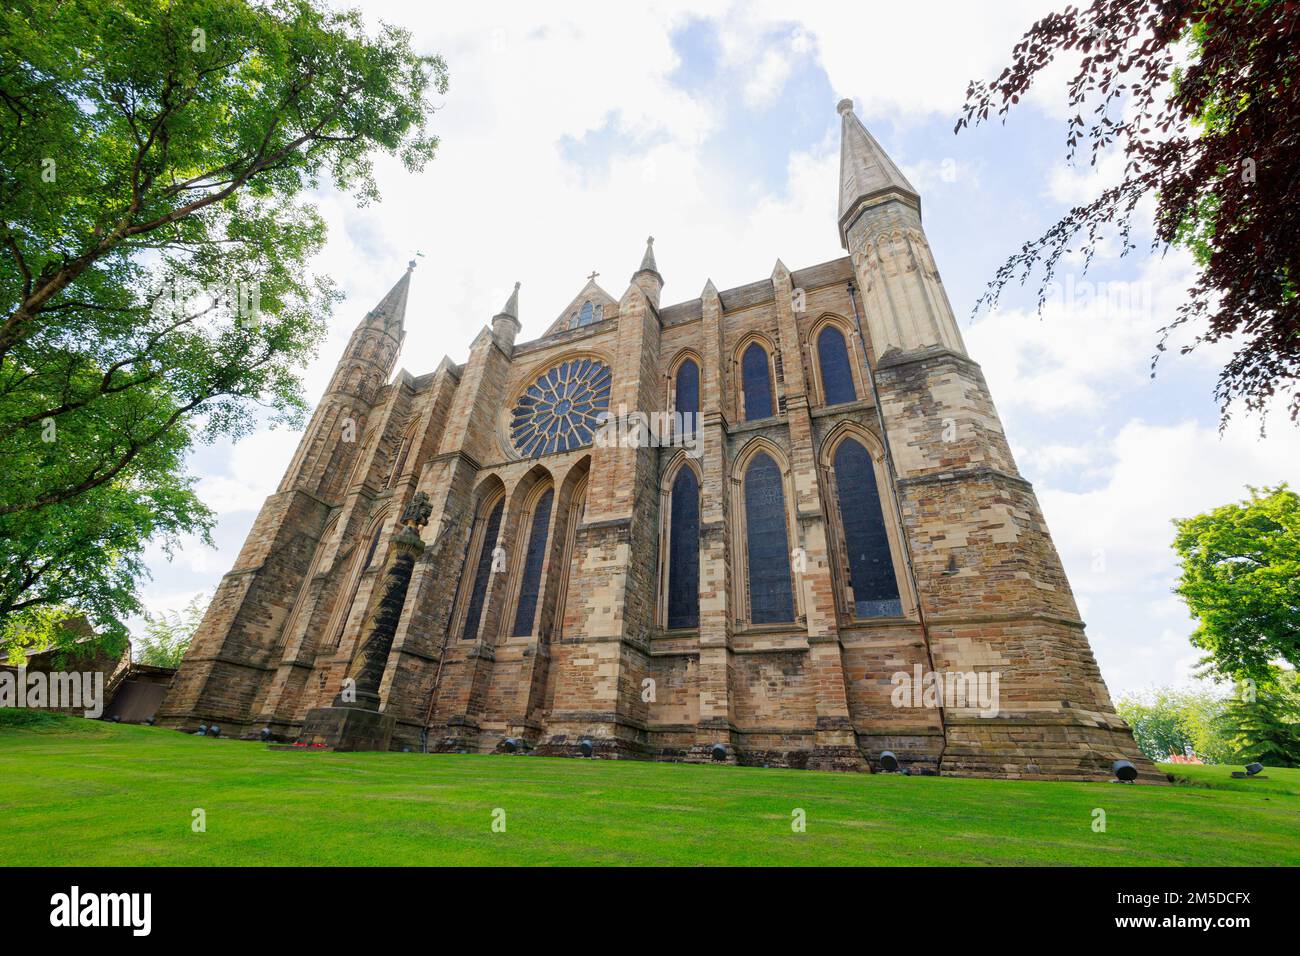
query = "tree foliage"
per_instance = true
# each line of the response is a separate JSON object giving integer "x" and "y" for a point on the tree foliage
{"x": 1167, "y": 721}
{"x": 1214, "y": 140}
{"x": 167, "y": 635}
{"x": 1241, "y": 580}
{"x": 156, "y": 289}
{"x": 1262, "y": 722}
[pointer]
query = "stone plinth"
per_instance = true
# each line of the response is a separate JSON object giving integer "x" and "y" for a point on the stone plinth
{"x": 346, "y": 729}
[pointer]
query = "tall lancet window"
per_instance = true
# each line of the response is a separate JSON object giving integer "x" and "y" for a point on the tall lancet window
{"x": 870, "y": 564}
{"x": 531, "y": 576}
{"x": 571, "y": 560}
{"x": 686, "y": 400}
{"x": 767, "y": 541}
{"x": 482, "y": 571}
{"x": 684, "y": 551}
{"x": 586, "y": 315}
{"x": 833, "y": 359}
{"x": 756, "y": 383}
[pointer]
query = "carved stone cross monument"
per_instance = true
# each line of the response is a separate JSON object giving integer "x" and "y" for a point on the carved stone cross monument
{"x": 354, "y": 721}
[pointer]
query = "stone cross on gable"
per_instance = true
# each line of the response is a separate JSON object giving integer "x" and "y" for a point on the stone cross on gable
{"x": 592, "y": 277}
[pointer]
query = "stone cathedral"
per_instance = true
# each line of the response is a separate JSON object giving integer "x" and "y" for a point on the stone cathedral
{"x": 465, "y": 560}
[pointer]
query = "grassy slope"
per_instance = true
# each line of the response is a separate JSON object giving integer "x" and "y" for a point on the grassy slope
{"x": 80, "y": 792}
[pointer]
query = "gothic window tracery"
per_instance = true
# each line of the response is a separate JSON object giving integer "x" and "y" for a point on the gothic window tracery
{"x": 531, "y": 576}
{"x": 682, "y": 551}
{"x": 870, "y": 563}
{"x": 686, "y": 393}
{"x": 756, "y": 383}
{"x": 833, "y": 362}
{"x": 562, "y": 410}
{"x": 482, "y": 569}
{"x": 767, "y": 544}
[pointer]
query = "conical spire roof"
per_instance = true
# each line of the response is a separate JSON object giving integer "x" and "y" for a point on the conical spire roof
{"x": 648, "y": 260}
{"x": 511, "y": 308}
{"x": 865, "y": 168}
{"x": 390, "y": 313}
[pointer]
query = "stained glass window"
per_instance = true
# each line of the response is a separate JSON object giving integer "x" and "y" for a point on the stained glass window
{"x": 560, "y": 411}
{"x": 833, "y": 356}
{"x": 585, "y": 314}
{"x": 482, "y": 572}
{"x": 871, "y": 567}
{"x": 532, "y": 574}
{"x": 768, "y": 545}
{"x": 687, "y": 401}
{"x": 684, "y": 552}
{"x": 756, "y": 381}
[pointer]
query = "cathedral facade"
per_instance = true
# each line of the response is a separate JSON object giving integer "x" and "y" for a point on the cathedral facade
{"x": 778, "y": 524}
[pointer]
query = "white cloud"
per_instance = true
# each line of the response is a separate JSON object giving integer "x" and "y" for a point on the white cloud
{"x": 1115, "y": 539}
{"x": 1094, "y": 339}
{"x": 895, "y": 61}
{"x": 1157, "y": 473}
{"x": 255, "y": 467}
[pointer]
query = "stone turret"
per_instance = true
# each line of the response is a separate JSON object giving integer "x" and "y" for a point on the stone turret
{"x": 506, "y": 324}
{"x": 647, "y": 277}
{"x": 880, "y": 226}
{"x": 994, "y": 599}
{"x": 232, "y": 652}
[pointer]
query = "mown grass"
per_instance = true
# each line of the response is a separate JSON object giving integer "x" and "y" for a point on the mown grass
{"x": 75, "y": 792}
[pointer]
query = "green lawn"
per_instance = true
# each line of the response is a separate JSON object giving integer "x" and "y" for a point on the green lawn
{"x": 75, "y": 792}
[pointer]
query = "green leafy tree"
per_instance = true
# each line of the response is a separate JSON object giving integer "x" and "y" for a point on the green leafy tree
{"x": 1241, "y": 580}
{"x": 167, "y": 635}
{"x": 153, "y": 159}
{"x": 1262, "y": 722}
{"x": 1168, "y": 720}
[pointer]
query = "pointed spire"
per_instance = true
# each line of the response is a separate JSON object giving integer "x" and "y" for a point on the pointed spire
{"x": 648, "y": 260}
{"x": 511, "y": 308}
{"x": 391, "y": 310}
{"x": 506, "y": 324}
{"x": 647, "y": 277}
{"x": 866, "y": 171}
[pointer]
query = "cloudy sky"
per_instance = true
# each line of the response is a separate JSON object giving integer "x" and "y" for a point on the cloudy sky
{"x": 571, "y": 132}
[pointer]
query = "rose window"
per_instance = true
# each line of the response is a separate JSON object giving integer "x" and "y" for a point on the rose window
{"x": 562, "y": 409}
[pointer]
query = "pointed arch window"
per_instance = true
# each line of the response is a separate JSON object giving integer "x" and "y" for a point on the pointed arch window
{"x": 531, "y": 576}
{"x": 683, "y": 551}
{"x": 586, "y": 314}
{"x": 767, "y": 544}
{"x": 870, "y": 562}
{"x": 756, "y": 383}
{"x": 577, "y": 509}
{"x": 833, "y": 359}
{"x": 482, "y": 571}
{"x": 686, "y": 398}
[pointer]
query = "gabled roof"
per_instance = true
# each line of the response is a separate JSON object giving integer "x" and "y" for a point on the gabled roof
{"x": 591, "y": 292}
